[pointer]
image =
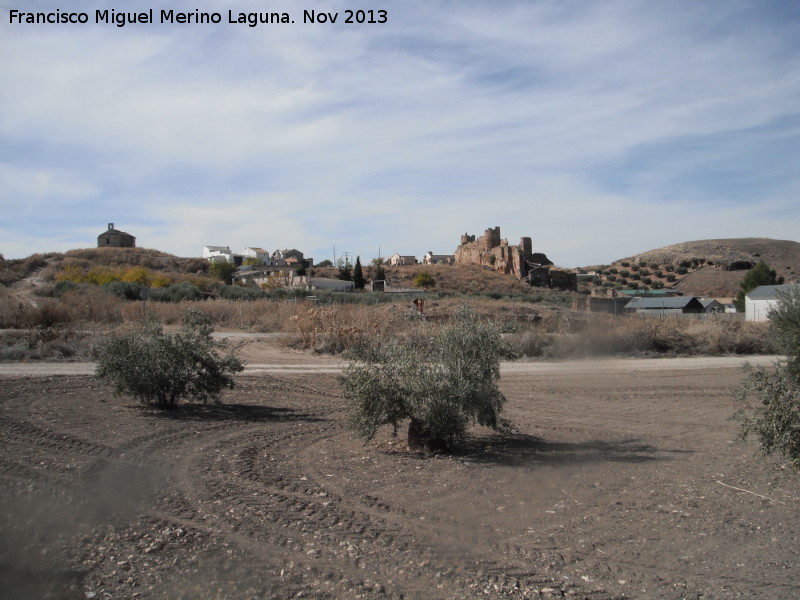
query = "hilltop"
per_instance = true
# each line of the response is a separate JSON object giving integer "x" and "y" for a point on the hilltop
{"x": 715, "y": 267}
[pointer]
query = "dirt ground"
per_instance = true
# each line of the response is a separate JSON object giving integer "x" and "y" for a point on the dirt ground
{"x": 616, "y": 483}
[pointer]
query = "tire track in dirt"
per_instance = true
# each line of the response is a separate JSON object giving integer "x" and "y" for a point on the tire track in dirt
{"x": 198, "y": 500}
{"x": 489, "y": 568}
{"x": 281, "y": 515}
{"x": 246, "y": 478}
{"x": 285, "y": 518}
{"x": 51, "y": 439}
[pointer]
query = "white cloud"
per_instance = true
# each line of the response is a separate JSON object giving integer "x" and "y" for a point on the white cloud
{"x": 548, "y": 119}
{"x": 41, "y": 185}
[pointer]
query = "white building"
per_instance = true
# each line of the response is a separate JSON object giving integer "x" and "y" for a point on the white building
{"x": 259, "y": 254}
{"x": 217, "y": 253}
{"x": 438, "y": 259}
{"x": 397, "y": 260}
{"x": 761, "y": 300}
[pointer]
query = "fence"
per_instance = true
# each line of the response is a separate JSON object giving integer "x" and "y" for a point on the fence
{"x": 679, "y": 316}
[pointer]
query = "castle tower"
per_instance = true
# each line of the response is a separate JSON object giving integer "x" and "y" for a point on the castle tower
{"x": 492, "y": 238}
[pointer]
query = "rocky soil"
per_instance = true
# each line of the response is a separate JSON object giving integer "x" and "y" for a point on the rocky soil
{"x": 614, "y": 483}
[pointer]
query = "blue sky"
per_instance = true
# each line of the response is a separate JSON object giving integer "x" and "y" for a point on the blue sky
{"x": 599, "y": 129}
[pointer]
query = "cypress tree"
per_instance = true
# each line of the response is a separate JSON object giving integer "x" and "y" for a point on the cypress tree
{"x": 358, "y": 275}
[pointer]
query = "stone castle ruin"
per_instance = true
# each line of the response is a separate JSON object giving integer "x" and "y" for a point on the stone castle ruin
{"x": 492, "y": 251}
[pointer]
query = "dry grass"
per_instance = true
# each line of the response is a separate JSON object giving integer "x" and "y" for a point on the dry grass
{"x": 142, "y": 257}
{"x": 458, "y": 279}
{"x": 606, "y": 335}
{"x": 260, "y": 316}
{"x": 15, "y": 269}
{"x": 531, "y": 330}
{"x": 58, "y": 343}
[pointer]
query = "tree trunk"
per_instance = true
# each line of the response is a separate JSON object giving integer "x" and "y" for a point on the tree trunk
{"x": 420, "y": 439}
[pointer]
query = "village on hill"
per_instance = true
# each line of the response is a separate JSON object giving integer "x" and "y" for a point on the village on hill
{"x": 658, "y": 283}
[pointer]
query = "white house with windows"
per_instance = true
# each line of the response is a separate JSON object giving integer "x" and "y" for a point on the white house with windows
{"x": 761, "y": 300}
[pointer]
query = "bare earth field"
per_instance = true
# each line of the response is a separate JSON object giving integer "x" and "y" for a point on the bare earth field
{"x": 617, "y": 481}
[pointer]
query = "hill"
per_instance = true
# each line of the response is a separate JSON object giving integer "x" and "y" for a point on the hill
{"x": 449, "y": 279}
{"x": 716, "y": 267}
{"x": 129, "y": 257}
{"x": 712, "y": 268}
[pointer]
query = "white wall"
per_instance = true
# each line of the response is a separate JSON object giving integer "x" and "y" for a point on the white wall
{"x": 758, "y": 310}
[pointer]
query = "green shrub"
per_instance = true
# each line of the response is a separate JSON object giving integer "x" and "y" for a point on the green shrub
{"x": 177, "y": 292}
{"x": 625, "y": 273}
{"x": 223, "y": 270}
{"x": 441, "y": 389}
{"x": 776, "y": 421}
{"x": 775, "y": 417}
{"x": 423, "y": 280}
{"x": 671, "y": 277}
{"x": 237, "y": 292}
{"x": 159, "y": 368}
{"x": 127, "y": 290}
{"x": 345, "y": 272}
{"x": 785, "y": 328}
{"x": 62, "y": 287}
{"x": 681, "y": 270}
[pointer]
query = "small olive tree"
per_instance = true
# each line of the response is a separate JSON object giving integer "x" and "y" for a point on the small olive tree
{"x": 441, "y": 388}
{"x": 160, "y": 368}
{"x": 775, "y": 417}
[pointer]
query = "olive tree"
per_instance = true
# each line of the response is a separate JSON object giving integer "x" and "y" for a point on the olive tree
{"x": 440, "y": 389}
{"x": 775, "y": 415}
{"x": 160, "y": 368}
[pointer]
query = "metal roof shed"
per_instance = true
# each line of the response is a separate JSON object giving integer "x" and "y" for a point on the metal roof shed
{"x": 665, "y": 306}
{"x": 760, "y": 301}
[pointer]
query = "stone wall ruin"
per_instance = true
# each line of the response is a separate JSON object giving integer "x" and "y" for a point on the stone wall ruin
{"x": 490, "y": 250}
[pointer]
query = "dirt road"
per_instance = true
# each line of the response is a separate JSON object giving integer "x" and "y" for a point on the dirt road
{"x": 325, "y": 364}
{"x": 617, "y": 480}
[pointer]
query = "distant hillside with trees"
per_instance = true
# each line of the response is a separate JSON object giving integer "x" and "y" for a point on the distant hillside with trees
{"x": 713, "y": 268}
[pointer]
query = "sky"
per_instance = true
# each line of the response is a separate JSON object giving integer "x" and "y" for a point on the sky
{"x": 598, "y": 129}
